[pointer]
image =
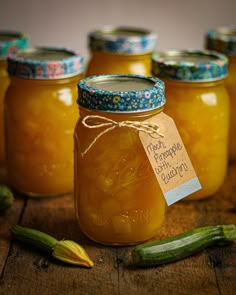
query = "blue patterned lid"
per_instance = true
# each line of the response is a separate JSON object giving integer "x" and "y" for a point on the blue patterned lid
{"x": 123, "y": 40}
{"x": 10, "y": 42}
{"x": 121, "y": 93}
{"x": 222, "y": 39}
{"x": 189, "y": 65}
{"x": 45, "y": 63}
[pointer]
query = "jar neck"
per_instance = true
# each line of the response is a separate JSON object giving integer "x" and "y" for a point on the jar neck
{"x": 22, "y": 81}
{"x": 121, "y": 56}
{"x": 133, "y": 116}
{"x": 194, "y": 84}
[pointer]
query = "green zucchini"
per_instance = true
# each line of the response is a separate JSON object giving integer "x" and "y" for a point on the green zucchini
{"x": 6, "y": 198}
{"x": 183, "y": 245}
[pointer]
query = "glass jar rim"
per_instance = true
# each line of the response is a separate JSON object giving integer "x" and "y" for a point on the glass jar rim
{"x": 189, "y": 65}
{"x": 126, "y": 40}
{"x": 45, "y": 63}
{"x": 108, "y": 99}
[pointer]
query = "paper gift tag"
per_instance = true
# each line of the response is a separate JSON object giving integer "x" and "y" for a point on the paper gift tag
{"x": 169, "y": 160}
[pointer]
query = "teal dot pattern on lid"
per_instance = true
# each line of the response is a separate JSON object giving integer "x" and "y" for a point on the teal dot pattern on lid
{"x": 222, "y": 40}
{"x": 188, "y": 65}
{"x": 121, "y": 101}
{"x": 11, "y": 42}
{"x": 122, "y": 40}
{"x": 24, "y": 65}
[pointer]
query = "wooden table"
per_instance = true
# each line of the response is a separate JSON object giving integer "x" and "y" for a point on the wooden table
{"x": 26, "y": 271}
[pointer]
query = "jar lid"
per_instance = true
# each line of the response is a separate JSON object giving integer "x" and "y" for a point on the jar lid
{"x": 10, "y": 42}
{"x": 45, "y": 63}
{"x": 124, "y": 40}
{"x": 121, "y": 93}
{"x": 189, "y": 65}
{"x": 222, "y": 39}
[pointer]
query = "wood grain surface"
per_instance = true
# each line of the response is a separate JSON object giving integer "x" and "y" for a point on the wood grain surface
{"x": 26, "y": 271}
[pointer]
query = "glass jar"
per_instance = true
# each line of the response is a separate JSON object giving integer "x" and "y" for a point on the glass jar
{"x": 40, "y": 116}
{"x": 198, "y": 102}
{"x": 120, "y": 50}
{"x": 224, "y": 40}
{"x": 10, "y": 42}
{"x": 117, "y": 196}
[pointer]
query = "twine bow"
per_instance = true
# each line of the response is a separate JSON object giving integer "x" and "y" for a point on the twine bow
{"x": 145, "y": 126}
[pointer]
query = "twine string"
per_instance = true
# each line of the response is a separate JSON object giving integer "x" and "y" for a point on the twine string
{"x": 149, "y": 127}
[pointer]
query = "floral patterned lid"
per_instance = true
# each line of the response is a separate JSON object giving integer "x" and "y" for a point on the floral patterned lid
{"x": 222, "y": 39}
{"x": 45, "y": 63}
{"x": 189, "y": 65}
{"x": 121, "y": 93}
{"x": 124, "y": 40}
{"x": 10, "y": 42}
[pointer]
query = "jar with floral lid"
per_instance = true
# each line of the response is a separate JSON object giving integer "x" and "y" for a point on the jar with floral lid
{"x": 120, "y": 50}
{"x": 117, "y": 196}
{"x": 223, "y": 40}
{"x": 10, "y": 42}
{"x": 40, "y": 116}
{"x": 198, "y": 102}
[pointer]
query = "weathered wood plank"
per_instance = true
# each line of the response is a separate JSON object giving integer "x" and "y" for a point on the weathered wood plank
{"x": 28, "y": 273}
{"x": 211, "y": 271}
{"x": 7, "y": 220}
{"x": 224, "y": 259}
{"x": 193, "y": 275}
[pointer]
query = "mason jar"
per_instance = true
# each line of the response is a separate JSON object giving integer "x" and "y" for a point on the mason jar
{"x": 40, "y": 116}
{"x": 10, "y": 42}
{"x": 198, "y": 102}
{"x": 117, "y": 196}
{"x": 223, "y": 40}
{"x": 120, "y": 50}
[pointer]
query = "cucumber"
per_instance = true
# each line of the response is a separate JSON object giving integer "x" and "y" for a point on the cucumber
{"x": 183, "y": 245}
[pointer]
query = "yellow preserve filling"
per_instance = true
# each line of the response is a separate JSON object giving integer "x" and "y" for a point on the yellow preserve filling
{"x": 110, "y": 63}
{"x": 4, "y": 82}
{"x": 118, "y": 199}
{"x": 201, "y": 114}
{"x": 231, "y": 87}
{"x": 40, "y": 120}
